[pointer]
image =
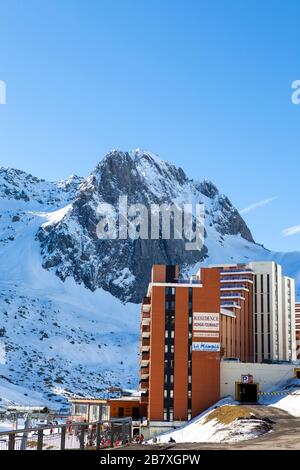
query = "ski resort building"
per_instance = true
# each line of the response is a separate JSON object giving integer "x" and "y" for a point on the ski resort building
{"x": 240, "y": 313}
{"x": 236, "y": 302}
{"x": 178, "y": 355}
{"x": 263, "y": 301}
{"x": 297, "y": 328}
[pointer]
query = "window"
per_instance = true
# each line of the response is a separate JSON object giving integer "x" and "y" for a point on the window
{"x": 166, "y": 334}
{"x": 171, "y": 414}
{"x": 135, "y": 413}
{"x": 171, "y": 393}
{"x": 190, "y": 379}
{"x": 81, "y": 409}
{"x": 166, "y": 393}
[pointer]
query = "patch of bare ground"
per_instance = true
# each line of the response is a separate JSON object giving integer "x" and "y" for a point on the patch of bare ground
{"x": 227, "y": 414}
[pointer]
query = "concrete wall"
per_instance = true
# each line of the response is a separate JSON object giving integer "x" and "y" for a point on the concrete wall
{"x": 266, "y": 375}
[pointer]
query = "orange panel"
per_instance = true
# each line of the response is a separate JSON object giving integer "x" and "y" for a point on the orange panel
{"x": 158, "y": 273}
{"x": 157, "y": 353}
{"x": 181, "y": 354}
{"x": 206, "y": 365}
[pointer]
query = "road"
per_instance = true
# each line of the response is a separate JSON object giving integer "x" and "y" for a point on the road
{"x": 285, "y": 435}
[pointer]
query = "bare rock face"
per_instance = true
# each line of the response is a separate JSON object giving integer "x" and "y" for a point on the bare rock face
{"x": 71, "y": 247}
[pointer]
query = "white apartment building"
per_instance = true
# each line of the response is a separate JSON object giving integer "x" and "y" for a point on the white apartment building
{"x": 273, "y": 313}
{"x": 289, "y": 322}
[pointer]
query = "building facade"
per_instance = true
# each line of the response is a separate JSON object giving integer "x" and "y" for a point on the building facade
{"x": 297, "y": 328}
{"x": 245, "y": 312}
{"x": 274, "y": 313}
{"x": 263, "y": 303}
{"x": 180, "y": 344}
{"x": 236, "y": 299}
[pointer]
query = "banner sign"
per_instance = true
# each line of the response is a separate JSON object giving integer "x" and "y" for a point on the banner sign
{"x": 208, "y": 347}
{"x": 206, "y": 321}
{"x": 206, "y": 334}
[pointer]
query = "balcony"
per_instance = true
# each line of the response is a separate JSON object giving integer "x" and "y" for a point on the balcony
{"x": 145, "y": 345}
{"x": 230, "y": 305}
{"x": 145, "y": 359}
{"x": 146, "y": 304}
{"x": 144, "y": 372}
{"x": 145, "y": 318}
{"x": 237, "y": 271}
{"x": 232, "y": 296}
{"x": 144, "y": 385}
{"x": 145, "y": 331}
{"x": 234, "y": 287}
{"x": 235, "y": 279}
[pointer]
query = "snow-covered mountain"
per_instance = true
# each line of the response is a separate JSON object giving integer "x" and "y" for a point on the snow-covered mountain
{"x": 69, "y": 313}
{"x": 70, "y": 245}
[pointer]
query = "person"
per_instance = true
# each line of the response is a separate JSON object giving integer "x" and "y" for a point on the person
{"x": 171, "y": 440}
{"x": 141, "y": 439}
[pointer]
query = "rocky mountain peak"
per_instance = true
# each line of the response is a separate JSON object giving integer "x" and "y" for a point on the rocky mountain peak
{"x": 71, "y": 247}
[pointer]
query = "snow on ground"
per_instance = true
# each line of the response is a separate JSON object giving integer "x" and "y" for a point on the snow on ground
{"x": 56, "y": 338}
{"x": 227, "y": 426}
{"x": 289, "y": 400}
{"x": 15, "y": 394}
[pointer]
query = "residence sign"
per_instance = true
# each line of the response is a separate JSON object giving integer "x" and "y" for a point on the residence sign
{"x": 206, "y": 325}
{"x": 206, "y": 322}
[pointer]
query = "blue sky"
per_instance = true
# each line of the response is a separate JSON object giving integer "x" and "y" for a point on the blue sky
{"x": 204, "y": 84}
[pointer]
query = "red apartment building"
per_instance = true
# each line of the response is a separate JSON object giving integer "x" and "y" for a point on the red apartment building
{"x": 187, "y": 325}
{"x": 297, "y": 319}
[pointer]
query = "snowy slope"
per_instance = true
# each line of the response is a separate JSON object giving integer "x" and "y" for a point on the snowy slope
{"x": 55, "y": 337}
{"x": 289, "y": 398}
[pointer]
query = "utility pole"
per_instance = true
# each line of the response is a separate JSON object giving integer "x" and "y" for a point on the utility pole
{"x": 25, "y": 434}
